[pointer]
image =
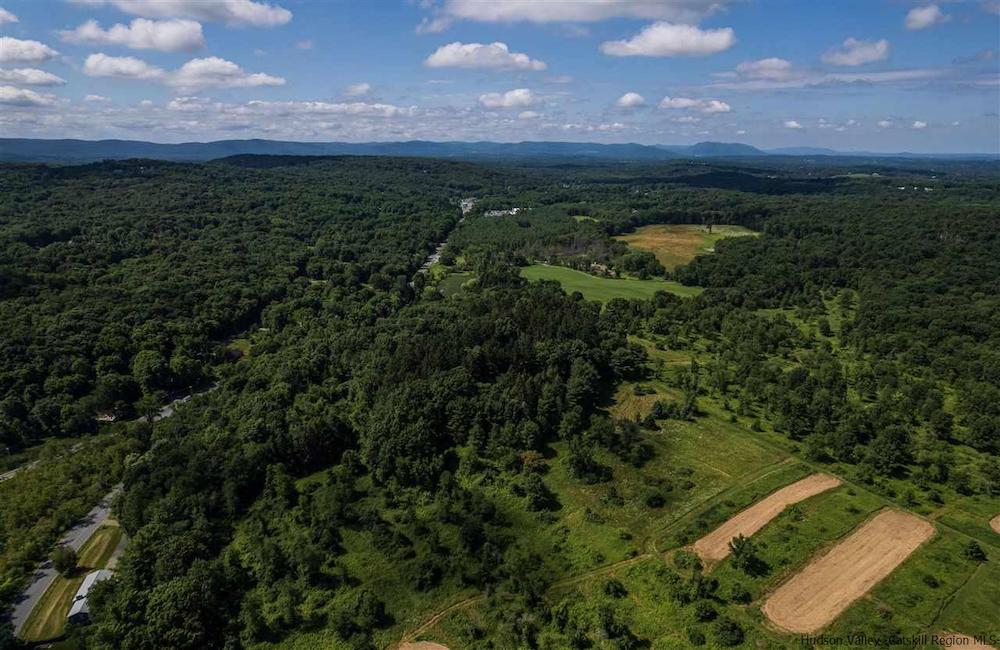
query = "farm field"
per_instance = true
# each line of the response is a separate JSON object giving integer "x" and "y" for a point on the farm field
{"x": 604, "y": 289}
{"x": 816, "y": 596}
{"x": 715, "y": 546}
{"x": 677, "y": 244}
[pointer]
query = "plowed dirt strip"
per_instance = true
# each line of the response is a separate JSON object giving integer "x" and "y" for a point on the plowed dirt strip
{"x": 422, "y": 645}
{"x": 715, "y": 546}
{"x": 995, "y": 523}
{"x": 828, "y": 585}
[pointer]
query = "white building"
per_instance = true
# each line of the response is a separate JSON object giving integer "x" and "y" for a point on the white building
{"x": 79, "y": 612}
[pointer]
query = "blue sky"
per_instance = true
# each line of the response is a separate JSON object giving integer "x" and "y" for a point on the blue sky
{"x": 887, "y": 75}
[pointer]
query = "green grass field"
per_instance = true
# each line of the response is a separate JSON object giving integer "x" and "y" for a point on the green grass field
{"x": 604, "y": 289}
{"x": 48, "y": 618}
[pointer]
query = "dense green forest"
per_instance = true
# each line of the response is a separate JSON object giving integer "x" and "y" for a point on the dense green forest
{"x": 377, "y": 450}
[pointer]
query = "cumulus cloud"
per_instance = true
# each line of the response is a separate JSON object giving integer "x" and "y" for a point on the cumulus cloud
{"x": 214, "y": 72}
{"x": 125, "y": 67}
{"x": 702, "y": 105}
{"x": 30, "y": 77}
{"x": 856, "y": 52}
{"x": 686, "y": 11}
{"x": 630, "y": 100}
{"x": 478, "y": 55}
{"x": 924, "y": 17}
{"x": 528, "y": 115}
{"x": 210, "y": 72}
{"x": 883, "y": 124}
{"x": 6, "y": 17}
{"x": 917, "y": 124}
{"x": 11, "y": 96}
{"x": 358, "y": 89}
{"x": 792, "y": 124}
{"x": 819, "y": 79}
{"x": 668, "y": 39}
{"x": 769, "y": 68}
{"x": 230, "y": 12}
{"x": 517, "y": 98}
{"x": 16, "y": 50}
{"x": 141, "y": 34}
{"x": 363, "y": 109}
{"x": 100, "y": 99}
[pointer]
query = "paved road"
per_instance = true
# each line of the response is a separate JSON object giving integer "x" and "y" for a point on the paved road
{"x": 45, "y": 574}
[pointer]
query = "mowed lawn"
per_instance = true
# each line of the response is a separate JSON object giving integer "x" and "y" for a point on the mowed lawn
{"x": 604, "y": 289}
{"x": 677, "y": 244}
{"x": 48, "y": 618}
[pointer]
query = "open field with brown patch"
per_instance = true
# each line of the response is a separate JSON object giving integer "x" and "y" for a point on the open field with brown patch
{"x": 677, "y": 244}
{"x": 715, "y": 546}
{"x": 819, "y": 593}
{"x": 995, "y": 523}
{"x": 423, "y": 645}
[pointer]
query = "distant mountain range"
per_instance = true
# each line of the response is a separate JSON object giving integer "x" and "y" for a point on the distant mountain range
{"x": 81, "y": 151}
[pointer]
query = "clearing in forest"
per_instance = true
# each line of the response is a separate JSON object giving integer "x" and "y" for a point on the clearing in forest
{"x": 422, "y": 645}
{"x": 677, "y": 244}
{"x": 715, "y": 546}
{"x": 995, "y": 523}
{"x": 604, "y": 289}
{"x": 828, "y": 585}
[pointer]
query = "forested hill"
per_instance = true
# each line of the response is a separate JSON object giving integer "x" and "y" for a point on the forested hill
{"x": 82, "y": 151}
{"x": 466, "y": 455}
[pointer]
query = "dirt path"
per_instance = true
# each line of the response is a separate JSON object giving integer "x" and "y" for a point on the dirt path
{"x": 819, "y": 593}
{"x": 995, "y": 523}
{"x": 715, "y": 546}
{"x": 423, "y": 645}
{"x": 406, "y": 643}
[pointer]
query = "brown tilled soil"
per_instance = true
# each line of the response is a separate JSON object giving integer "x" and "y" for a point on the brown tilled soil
{"x": 422, "y": 645}
{"x": 829, "y": 584}
{"x": 995, "y": 523}
{"x": 956, "y": 640}
{"x": 715, "y": 546}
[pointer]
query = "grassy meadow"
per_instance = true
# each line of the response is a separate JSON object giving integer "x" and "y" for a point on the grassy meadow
{"x": 677, "y": 244}
{"x": 604, "y": 289}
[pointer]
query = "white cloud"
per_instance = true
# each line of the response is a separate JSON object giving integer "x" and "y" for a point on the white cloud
{"x": 14, "y": 49}
{"x": 630, "y": 100}
{"x": 210, "y": 72}
{"x": 11, "y": 96}
{"x": 213, "y": 72}
{"x": 855, "y": 52}
{"x": 100, "y": 99}
{"x": 30, "y": 77}
{"x": 792, "y": 124}
{"x": 703, "y": 105}
{"x": 358, "y": 89}
{"x": 231, "y": 12}
{"x": 770, "y": 68}
{"x": 668, "y": 39}
{"x": 363, "y": 109}
{"x": 141, "y": 34}
{"x": 883, "y": 124}
{"x": 817, "y": 79}
{"x": 127, "y": 67}
{"x": 528, "y": 115}
{"x": 924, "y": 17}
{"x": 6, "y": 17}
{"x": 991, "y": 7}
{"x": 304, "y": 45}
{"x": 545, "y": 11}
{"x": 478, "y": 55}
{"x": 519, "y": 97}
{"x": 917, "y": 124}
{"x": 433, "y": 25}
